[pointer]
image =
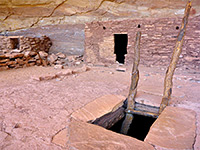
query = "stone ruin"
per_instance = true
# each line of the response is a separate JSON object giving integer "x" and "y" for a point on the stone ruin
{"x": 157, "y": 42}
{"x": 20, "y": 51}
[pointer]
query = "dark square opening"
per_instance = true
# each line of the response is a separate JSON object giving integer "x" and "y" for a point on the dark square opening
{"x": 14, "y": 43}
{"x": 138, "y": 129}
{"x": 120, "y": 47}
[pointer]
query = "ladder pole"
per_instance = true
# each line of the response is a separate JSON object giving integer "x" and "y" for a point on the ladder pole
{"x": 174, "y": 60}
{"x": 133, "y": 88}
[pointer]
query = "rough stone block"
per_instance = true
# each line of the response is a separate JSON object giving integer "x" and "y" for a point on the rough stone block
{"x": 174, "y": 129}
{"x": 85, "y": 136}
{"x": 98, "y": 107}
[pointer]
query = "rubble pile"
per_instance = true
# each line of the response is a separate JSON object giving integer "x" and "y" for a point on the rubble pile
{"x": 19, "y": 51}
{"x": 59, "y": 60}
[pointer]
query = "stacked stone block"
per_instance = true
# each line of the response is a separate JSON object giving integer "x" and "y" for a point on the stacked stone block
{"x": 157, "y": 42}
{"x": 29, "y": 51}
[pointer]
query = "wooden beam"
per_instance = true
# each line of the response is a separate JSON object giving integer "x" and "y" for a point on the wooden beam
{"x": 168, "y": 84}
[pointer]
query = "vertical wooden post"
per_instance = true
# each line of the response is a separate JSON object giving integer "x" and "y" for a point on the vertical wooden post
{"x": 175, "y": 57}
{"x": 133, "y": 88}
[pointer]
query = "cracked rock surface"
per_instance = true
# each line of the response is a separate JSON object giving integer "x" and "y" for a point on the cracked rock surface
{"x": 32, "y": 112}
{"x": 23, "y": 14}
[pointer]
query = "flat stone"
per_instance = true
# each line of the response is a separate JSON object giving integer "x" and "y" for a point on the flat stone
{"x": 43, "y": 54}
{"x": 49, "y": 77}
{"x": 61, "y": 55}
{"x": 11, "y": 62}
{"x": 52, "y": 58}
{"x": 64, "y": 72}
{"x": 174, "y": 129}
{"x": 58, "y": 67}
{"x": 61, "y": 138}
{"x": 14, "y": 55}
{"x": 15, "y": 51}
{"x": 2, "y": 56}
{"x": 71, "y": 58}
{"x": 32, "y": 53}
{"x": 121, "y": 69}
{"x": 4, "y": 60}
{"x": 98, "y": 107}
{"x": 85, "y": 136}
{"x": 148, "y": 99}
{"x": 80, "y": 69}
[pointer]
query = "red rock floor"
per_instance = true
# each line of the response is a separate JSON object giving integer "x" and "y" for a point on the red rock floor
{"x": 31, "y": 111}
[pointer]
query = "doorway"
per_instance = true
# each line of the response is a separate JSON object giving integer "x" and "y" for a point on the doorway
{"x": 14, "y": 43}
{"x": 120, "y": 48}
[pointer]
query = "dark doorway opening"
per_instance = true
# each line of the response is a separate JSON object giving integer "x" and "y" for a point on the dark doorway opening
{"x": 121, "y": 41}
{"x": 14, "y": 43}
{"x": 138, "y": 129}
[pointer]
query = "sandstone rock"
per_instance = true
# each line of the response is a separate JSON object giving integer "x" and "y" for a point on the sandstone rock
{"x": 61, "y": 138}
{"x": 20, "y": 61}
{"x": 3, "y": 67}
{"x": 31, "y": 64}
{"x": 3, "y": 64}
{"x": 2, "y": 56}
{"x": 64, "y": 72}
{"x": 11, "y": 63}
{"x": 50, "y": 77}
{"x": 32, "y": 53}
{"x": 58, "y": 67}
{"x": 77, "y": 63}
{"x": 44, "y": 62}
{"x": 26, "y": 54}
{"x": 148, "y": 99}
{"x": 81, "y": 69}
{"x": 174, "y": 129}
{"x": 85, "y": 136}
{"x": 32, "y": 60}
{"x": 98, "y": 107}
{"x": 4, "y": 60}
{"x": 14, "y": 55}
{"x": 52, "y": 58}
{"x": 61, "y": 55}
{"x": 43, "y": 54}
{"x": 121, "y": 69}
{"x": 15, "y": 51}
{"x": 60, "y": 62}
{"x": 71, "y": 58}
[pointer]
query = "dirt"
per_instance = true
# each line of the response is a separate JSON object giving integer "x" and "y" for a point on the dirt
{"x": 32, "y": 111}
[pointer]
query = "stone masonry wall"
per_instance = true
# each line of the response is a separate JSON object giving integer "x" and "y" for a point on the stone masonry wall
{"x": 157, "y": 41}
{"x": 19, "y": 51}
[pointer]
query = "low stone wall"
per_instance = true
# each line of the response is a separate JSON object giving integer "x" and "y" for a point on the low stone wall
{"x": 157, "y": 42}
{"x": 19, "y": 51}
{"x": 25, "y": 43}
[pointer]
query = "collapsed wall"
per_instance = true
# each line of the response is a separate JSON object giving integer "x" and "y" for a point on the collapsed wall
{"x": 19, "y": 51}
{"x": 157, "y": 42}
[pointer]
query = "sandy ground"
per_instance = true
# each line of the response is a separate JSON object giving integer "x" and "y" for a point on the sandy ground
{"x": 31, "y": 111}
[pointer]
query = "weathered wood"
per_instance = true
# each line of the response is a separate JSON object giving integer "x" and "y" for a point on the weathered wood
{"x": 133, "y": 88}
{"x": 146, "y": 108}
{"x": 108, "y": 120}
{"x": 143, "y": 113}
{"x": 175, "y": 57}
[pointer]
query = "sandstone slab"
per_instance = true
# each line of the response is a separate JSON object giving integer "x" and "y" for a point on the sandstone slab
{"x": 148, "y": 99}
{"x": 174, "y": 129}
{"x": 61, "y": 138}
{"x": 85, "y": 136}
{"x": 98, "y": 107}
